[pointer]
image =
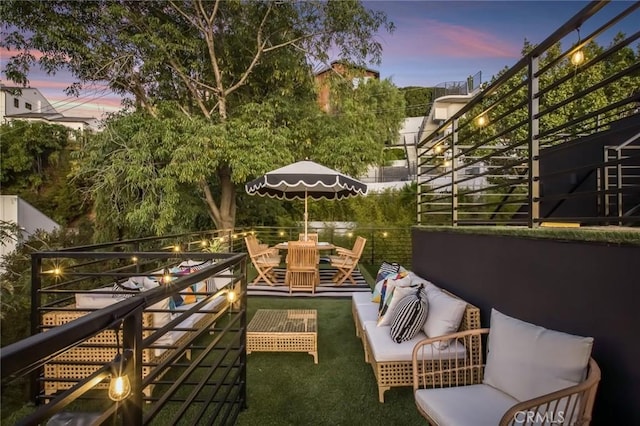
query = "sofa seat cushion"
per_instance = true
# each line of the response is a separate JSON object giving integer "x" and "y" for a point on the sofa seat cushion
{"x": 484, "y": 405}
{"x": 367, "y": 313}
{"x": 526, "y": 360}
{"x": 363, "y": 298}
{"x": 171, "y": 337}
{"x": 384, "y": 349}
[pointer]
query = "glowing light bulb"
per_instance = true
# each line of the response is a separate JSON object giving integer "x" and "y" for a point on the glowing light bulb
{"x": 134, "y": 259}
{"x": 119, "y": 388}
{"x": 176, "y": 248}
{"x": 232, "y": 296}
{"x": 482, "y": 120}
{"x": 57, "y": 271}
{"x": 577, "y": 57}
{"x": 385, "y": 234}
{"x": 204, "y": 243}
{"x": 438, "y": 149}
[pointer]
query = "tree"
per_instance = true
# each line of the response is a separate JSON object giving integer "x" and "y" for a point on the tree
{"x": 36, "y": 166}
{"x": 196, "y": 71}
{"x": 418, "y": 100}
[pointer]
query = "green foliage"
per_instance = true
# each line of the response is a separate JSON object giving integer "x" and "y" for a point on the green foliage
{"x": 390, "y": 207}
{"x": 16, "y": 275}
{"x": 222, "y": 78}
{"x": 418, "y": 100}
{"x": 628, "y": 236}
{"x": 36, "y": 167}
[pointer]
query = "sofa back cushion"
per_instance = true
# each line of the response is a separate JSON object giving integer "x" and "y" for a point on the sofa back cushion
{"x": 445, "y": 315}
{"x": 527, "y": 361}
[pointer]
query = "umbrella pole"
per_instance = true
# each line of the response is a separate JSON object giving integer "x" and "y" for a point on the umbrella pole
{"x": 306, "y": 215}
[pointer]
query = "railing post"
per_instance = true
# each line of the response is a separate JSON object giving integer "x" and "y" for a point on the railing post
{"x": 36, "y": 301}
{"x": 132, "y": 340}
{"x": 534, "y": 144}
{"x": 454, "y": 185}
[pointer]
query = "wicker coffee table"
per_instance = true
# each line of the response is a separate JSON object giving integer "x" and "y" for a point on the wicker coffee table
{"x": 284, "y": 330}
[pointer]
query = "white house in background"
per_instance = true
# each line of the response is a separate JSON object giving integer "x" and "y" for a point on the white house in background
{"x": 28, "y": 218}
{"x": 27, "y": 103}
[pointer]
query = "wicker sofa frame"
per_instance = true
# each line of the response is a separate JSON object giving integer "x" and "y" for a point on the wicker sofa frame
{"x": 391, "y": 374}
{"x": 65, "y": 370}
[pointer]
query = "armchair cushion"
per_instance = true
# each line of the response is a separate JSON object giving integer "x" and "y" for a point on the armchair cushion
{"x": 526, "y": 360}
{"x": 484, "y": 405}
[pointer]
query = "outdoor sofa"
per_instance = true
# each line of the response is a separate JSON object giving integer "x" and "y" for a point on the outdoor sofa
{"x": 392, "y": 362}
{"x": 65, "y": 370}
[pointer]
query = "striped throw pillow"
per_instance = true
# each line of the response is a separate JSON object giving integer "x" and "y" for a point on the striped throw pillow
{"x": 409, "y": 317}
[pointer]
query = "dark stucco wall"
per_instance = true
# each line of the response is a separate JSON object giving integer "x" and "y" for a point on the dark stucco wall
{"x": 589, "y": 289}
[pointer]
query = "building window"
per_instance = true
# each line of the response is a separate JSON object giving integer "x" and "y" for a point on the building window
{"x": 16, "y": 102}
{"x": 27, "y": 105}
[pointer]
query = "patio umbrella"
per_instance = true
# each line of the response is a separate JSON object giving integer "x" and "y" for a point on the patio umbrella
{"x": 304, "y": 180}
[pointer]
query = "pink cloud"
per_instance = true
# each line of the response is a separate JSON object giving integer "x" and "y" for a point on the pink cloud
{"x": 422, "y": 37}
{"x": 8, "y": 53}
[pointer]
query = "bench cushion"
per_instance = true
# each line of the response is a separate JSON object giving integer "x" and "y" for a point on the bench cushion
{"x": 484, "y": 405}
{"x": 526, "y": 360}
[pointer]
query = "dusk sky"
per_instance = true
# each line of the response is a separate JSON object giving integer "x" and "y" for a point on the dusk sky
{"x": 434, "y": 42}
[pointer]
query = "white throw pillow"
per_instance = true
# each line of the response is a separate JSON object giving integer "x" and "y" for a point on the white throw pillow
{"x": 527, "y": 361}
{"x": 218, "y": 283}
{"x": 160, "y": 319}
{"x": 397, "y": 294}
{"x": 96, "y": 300}
{"x": 445, "y": 315}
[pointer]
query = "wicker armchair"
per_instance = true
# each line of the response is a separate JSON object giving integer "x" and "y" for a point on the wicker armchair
{"x": 473, "y": 401}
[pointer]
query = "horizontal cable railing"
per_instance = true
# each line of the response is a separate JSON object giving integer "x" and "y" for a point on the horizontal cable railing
{"x": 529, "y": 148}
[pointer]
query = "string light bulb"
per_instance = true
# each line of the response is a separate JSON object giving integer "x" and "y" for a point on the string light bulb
{"x": 231, "y": 296}
{"x": 482, "y": 120}
{"x": 577, "y": 57}
{"x": 438, "y": 149}
{"x": 166, "y": 276}
{"x": 119, "y": 387}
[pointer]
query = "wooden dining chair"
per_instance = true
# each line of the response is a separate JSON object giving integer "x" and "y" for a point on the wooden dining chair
{"x": 264, "y": 260}
{"x": 302, "y": 266}
{"x": 347, "y": 260}
{"x": 310, "y": 237}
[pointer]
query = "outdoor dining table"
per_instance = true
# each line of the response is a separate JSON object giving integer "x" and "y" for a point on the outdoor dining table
{"x": 321, "y": 245}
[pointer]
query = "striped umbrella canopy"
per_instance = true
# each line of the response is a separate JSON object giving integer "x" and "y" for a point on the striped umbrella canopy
{"x": 304, "y": 180}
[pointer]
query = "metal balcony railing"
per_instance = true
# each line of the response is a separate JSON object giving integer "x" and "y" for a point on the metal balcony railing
{"x": 536, "y": 135}
{"x": 189, "y": 369}
{"x": 185, "y": 362}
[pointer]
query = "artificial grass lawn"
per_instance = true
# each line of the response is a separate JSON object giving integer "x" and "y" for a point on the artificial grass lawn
{"x": 289, "y": 389}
